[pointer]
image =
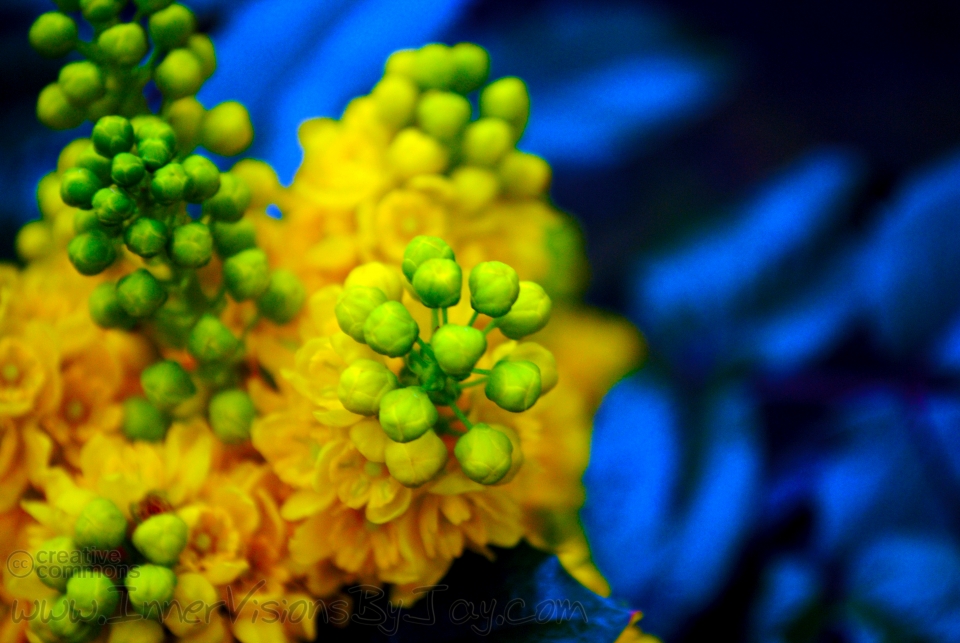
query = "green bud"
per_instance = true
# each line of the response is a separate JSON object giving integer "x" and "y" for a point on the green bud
{"x": 407, "y": 413}
{"x": 170, "y": 27}
{"x": 149, "y": 126}
{"x": 415, "y": 463}
{"x": 124, "y": 44}
{"x": 112, "y": 135}
{"x": 166, "y": 384}
{"x": 433, "y": 67}
{"x": 494, "y": 287}
{"x": 107, "y": 104}
{"x": 283, "y": 298}
{"x": 86, "y": 221}
{"x": 231, "y": 238}
{"x": 443, "y": 115}
{"x": 151, "y": 6}
{"x": 93, "y": 594}
{"x": 211, "y": 341}
{"x": 395, "y": 98}
{"x": 514, "y": 386}
{"x": 529, "y": 313}
{"x": 192, "y": 244}
{"x": 246, "y": 274}
{"x": 77, "y": 187}
{"x": 438, "y": 283}
{"x": 66, "y": 626}
{"x": 354, "y": 306}
{"x": 543, "y": 358}
{"x": 524, "y": 175}
{"x": 53, "y": 34}
{"x": 423, "y": 248}
{"x": 363, "y": 384}
{"x": 146, "y": 237}
{"x": 486, "y": 141}
{"x": 100, "y": 525}
{"x": 140, "y": 294}
{"x": 55, "y": 111}
{"x": 150, "y": 589}
{"x": 458, "y": 348}
{"x": 231, "y": 416}
{"x": 227, "y": 129}
{"x": 105, "y": 309}
{"x": 507, "y": 99}
{"x": 161, "y": 538}
{"x": 484, "y": 454}
{"x": 202, "y": 47}
{"x": 54, "y": 551}
{"x": 81, "y": 82}
{"x": 471, "y": 67}
{"x": 143, "y": 421}
{"x": 88, "y": 159}
{"x": 204, "y": 178}
{"x": 112, "y": 206}
{"x": 390, "y": 330}
{"x": 230, "y": 201}
{"x": 91, "y": 252}
{"x": 100, "y": 10}
{"x": 169, "y": 183}
{"x": 179, "y": 75}
{"x": 127, "y": 169}
{"x": 155, "y": 153}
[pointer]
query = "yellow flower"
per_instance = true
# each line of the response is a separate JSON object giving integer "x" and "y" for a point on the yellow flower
{"x": 30, "y": 382}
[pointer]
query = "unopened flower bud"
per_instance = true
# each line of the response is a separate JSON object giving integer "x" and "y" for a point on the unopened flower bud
{"x": 363, "y": 385}
{"x": 91, "y": 252}
{"x": 93, "y": 594}
{"x": 112, "y": 135}
{"x": 155, "y": 153}
{"x": 390, "y": 329}
{"x": 434, "y": 66}
{"x": 81, "y": 82}
{"x": 514, "y": 386}
{"x": 161, "y": 538}
{"x": 185, "y": 116}
{"x": 193, "y": 588}
{"x": 55, "y": 111}
{"x": 524, "y": 175}
{"x": 146, "y": 237}
{"x": 53, "y": 34}
{"x": 417, "y": 462}
{"x": 494, "y": 287}
{"x": 471, "y": 67}
{"x": 35, "y": 240}
{"x": 179, "y": 75}
{"x": 100, "y": 525}
{"x": 246, "y": 274}
{"x": 438, "y": 283}
{"x": 230, "y": 201}
{"x": 57, "y": 550}
{"x": 191, "y": 245}
{"x": 407, "y": 413}
{"x": 231, "y": 415}
{"x": 458, "y": 348}
{"x": 421, "y": 249}
{"x": 127, "y": 169}
{"x": 148, "y": 126}
{"x": 377, "y": 275}
{"x": 204, "y": 178}
{"x": 65, "y": 625}
{"x": 150, "y": 589}
{"x": 143, "y": 421}
{"x": 401, "y": 63}
{"x": 202, "y": 47}
{"x": 484, "y": 454}
{"x": 140, "y": 294}
{"x": 231, "y": 238}
{"x": 86, "y": 221}
{"x": 412, "y": 153}
{"x": 211, "y": 341}
{"x": 166, "y": 384}
{"x": 260, "y": 178}
{"x": 283, "y": 298}
{"x": 77, "y": 187}
{"x": 443, "y": 115}
{"x": 169, "y": 183}
{"x": 105, "y": 309}
{"x": 88, "y": 159}
{"x": 486, "y": 141}
{"x": 507, "y": 99}
{"x": 354, "y": 306}
{"x": 395, "y": 97}
{"x": 124, "y": 44}
{"x": 112, "y": 206}
{"x": 476, "y": 187}
{"x": 226, "y": 129}
{"x": 543, "y": 358}
{"x": 100, "y": 10}
{"x": 170, "y": 27}
{"x": 529, "y": 313}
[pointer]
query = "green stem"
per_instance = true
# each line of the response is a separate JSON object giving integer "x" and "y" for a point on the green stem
{"x": 445, "y": 321}
{"x": 434, "y": 321}
{"x": 460, "y": 416}
{"x": 473, "y": 318}
{"x": 482, "y": 371}
{"x": 476, "y": 382}
{"x": 489, "y": 327}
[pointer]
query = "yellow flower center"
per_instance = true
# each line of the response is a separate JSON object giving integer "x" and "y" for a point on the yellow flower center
{"x": 10, "y": 373}
{"x": 373, "y": 469}
{"x": 202, "y": 542}
{"x": 74, "y": 410}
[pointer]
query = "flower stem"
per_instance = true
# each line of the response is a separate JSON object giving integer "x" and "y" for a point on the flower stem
{"x": 473, "y": 318}
{"x": 489, "y": 327}
{"x": 460, "y": 416}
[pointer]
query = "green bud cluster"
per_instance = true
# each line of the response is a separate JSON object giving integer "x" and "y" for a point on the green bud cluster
{"x": 435, "y": 373}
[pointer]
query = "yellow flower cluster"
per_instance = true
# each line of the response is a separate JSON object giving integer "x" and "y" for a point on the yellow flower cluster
{"x": 309, "y": 505}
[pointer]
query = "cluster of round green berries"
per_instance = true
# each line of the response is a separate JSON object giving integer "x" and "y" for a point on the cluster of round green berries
{"x": 436, "y": 372}
{"x": 90, "y": 590}
{"x": 425, "y": 95}
{"x": 159, "y": 44}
